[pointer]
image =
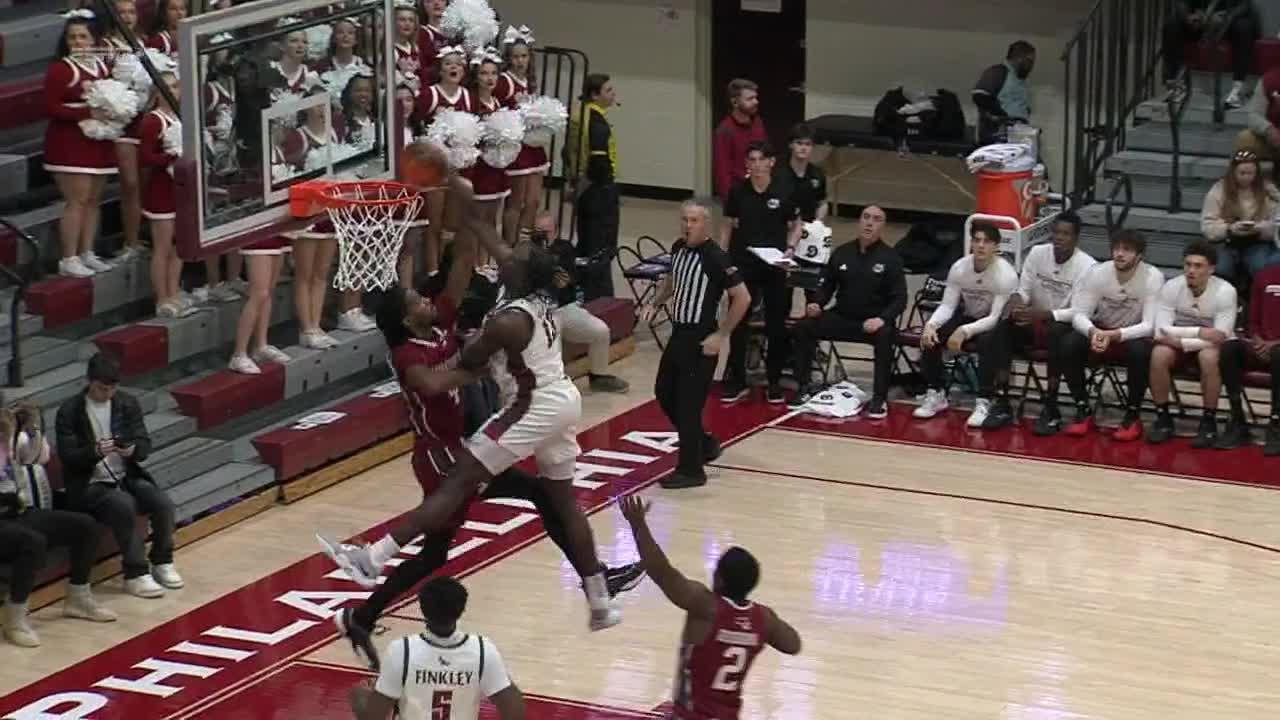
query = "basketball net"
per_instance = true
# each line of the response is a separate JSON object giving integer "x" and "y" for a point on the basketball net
{"x": 370, "y": 220}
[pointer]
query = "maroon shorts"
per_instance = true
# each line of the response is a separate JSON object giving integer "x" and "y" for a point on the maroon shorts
{"x": 431, "y": 462}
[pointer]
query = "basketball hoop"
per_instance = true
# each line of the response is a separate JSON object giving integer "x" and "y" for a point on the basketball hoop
{"x": 370, "y": 218}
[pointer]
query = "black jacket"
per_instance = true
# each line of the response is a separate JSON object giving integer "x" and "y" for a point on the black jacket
{"x": 77, "y": 448}
{"x": 865, "y": 285}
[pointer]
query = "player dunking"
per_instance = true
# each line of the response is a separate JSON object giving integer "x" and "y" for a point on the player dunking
{"x": 541, "y": 409}
{"x": 723, "y": 630}
{"x": 421, "y": 335}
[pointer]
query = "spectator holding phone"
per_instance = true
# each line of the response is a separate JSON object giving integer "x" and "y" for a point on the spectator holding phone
{"x": 101, "y": 441}
{"x": 1239, "y": 217}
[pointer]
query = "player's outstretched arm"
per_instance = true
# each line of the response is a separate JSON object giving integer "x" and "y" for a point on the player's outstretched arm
{"x": 485, "y": 232}
{"x": 463, "y": 267}
{"x": 509, "y": 330}
{"x": 781, "y": 636}
{"x": 692, "y": 597}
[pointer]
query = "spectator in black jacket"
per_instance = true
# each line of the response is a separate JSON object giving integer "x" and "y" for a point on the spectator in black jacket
{"x": 870, "y": 289}
{"x": 101, "y": 441}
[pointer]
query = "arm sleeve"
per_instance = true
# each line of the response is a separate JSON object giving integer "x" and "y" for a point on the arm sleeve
{"x": 998, "y": 303}
{"x": 1224, "y": 319}
{"x": 1077, "y": 284}
{"x": 897, "y": 293}
{"x": 1165, "y": 313}
{"x": 722, "y": 148}
{"x": 830, "y": 279}
{"x": 986, "y": 91}
{"x": 55, "y": 95}
{"x": 1083, "y": 302}
{"x": 1212, "y": 225}
{"x": 1258, "y": 121}
{"x": 1145, "y": 327}
{"x": 390, "y": 681}
{"x": 950, "y": 300}
{"x": 494, "y": 678}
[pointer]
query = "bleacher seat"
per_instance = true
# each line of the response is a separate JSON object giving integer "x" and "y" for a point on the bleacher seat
{"x": 225, "y": 395}
{"x": 302, "y": 446}
{"x": 1266, "y": 55}
{"x": 61, "y": 300}
{"x": 138, "y": 348}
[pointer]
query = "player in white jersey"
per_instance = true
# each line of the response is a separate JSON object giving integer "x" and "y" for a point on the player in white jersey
{"x": 978, "y": 288}
{"x": 442, "y": 673}
{"x": 1195, "y": 314}
{"x": 539, "y": 416}
{"x": 1113, "y": 311}
{"x": 1039, "y": 312}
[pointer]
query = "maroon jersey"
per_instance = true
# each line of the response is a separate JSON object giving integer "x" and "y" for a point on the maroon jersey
{"x": 433, "y": 100}
{"x": 710, "y": 674}
{"x": 436, "y": 419}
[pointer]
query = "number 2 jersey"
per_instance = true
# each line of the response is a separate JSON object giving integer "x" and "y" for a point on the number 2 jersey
{"x": 443, "y": 678}
{"x": 711, "y": 672}
{"x": 436, "y": 419}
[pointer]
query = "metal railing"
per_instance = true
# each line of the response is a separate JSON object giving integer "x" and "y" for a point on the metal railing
{"x": 1110, "y": 67}
{"x": 561, "y": 74}
{"x": 20, "y": 279}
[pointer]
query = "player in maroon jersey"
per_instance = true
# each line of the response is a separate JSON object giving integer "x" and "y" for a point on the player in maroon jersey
{"x": 421, "y": 335}
{"x": 723, "y": 630}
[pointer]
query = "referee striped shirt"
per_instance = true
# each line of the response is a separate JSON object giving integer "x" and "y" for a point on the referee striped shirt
{"x": 699, "y": 274}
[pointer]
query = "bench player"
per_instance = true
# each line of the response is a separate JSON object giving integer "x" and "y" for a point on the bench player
{"x": 520, "y": 341}
{"x": 442, "y": 673}
{"x": 723, "y": 630}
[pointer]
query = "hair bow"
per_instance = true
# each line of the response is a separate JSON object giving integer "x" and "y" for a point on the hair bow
{"x": 515, "y": 35}
{"x": 486, "y": 55}
{"x": 79, "y": 14}
{"x": 352, "y": 21}
{"x": 405, "y": 5}
{"x": 448, "y": 50}
{"x": 287, "y": 21}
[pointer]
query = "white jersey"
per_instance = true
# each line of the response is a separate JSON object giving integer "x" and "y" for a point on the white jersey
{"x": 443, "y": 678}
{"x": 1182, "y": 314}
{"x": 1102, "y": 301}
{"x": 541, "y": 363}
{"x": 983, "y": 294}
{"x": 1046, "y": 285}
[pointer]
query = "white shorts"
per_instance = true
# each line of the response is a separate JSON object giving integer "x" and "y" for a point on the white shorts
{"x": 543, "y": 425}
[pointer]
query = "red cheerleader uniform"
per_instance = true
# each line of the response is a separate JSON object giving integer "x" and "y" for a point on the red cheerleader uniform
{"x": 164, "y": 42}
{"x": 430, "y": 40}
{"x": 298, "y": 81}
{"x": 431, "y": 102}
{"x": 409, "y": 65}
{"x": 157, "y": 195}
{"x": 66, "y": 148}
{"x": 278, "y": 245}
{"x": 490, "y": 183}
{"x": 532, "y": 159}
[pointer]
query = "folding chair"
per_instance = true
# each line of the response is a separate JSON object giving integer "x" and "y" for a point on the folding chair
{"x": 643, "y": 273}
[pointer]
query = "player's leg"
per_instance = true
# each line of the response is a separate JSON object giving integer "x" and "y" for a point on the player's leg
{"x": 1210, "y": 392}
{"x": 1163, "y": 359}
{"x": 995, "y": 356}
{"x": 1231, "y": 361}
{"x": 512, "y": 211}
{"x": 931, "y": 366}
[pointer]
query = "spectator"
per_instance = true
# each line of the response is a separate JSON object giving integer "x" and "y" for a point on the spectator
{"x": 1195, "y": 315}
{"x": 597, "y": 205}
{"x": 1239, "y": 216}
{"x": 158, "y": 204}
{"x": 101, "y": 441}
{"x": 978, "y": 288}
{"x": 1191, "y": 21}
{"x": 577, "y": 324}
{"x": 1260, "y": 351}
{"x": 1002, "y": 95}
{"x": 29, "y": 525}
{"x": 164, "y": 26}
{"x": 1040, "y": 310}
{"x": 870, "y": 289}
{"x": 735, "y": 134}
{"x": 801, "y": 180}
{"x": 1262, "y": 137}
{"x": 759, "y": 215}
{"x": 126, "y": 146}
{"x": 1112, "y": 312}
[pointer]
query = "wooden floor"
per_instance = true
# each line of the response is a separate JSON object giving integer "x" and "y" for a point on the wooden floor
{"x": 927, "y": 583}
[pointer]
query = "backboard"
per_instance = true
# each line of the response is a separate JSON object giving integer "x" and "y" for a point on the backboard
{"x": 276, "y": 93}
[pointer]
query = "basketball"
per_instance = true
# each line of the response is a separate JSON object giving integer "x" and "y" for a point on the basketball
{"x": 423, "y": 164}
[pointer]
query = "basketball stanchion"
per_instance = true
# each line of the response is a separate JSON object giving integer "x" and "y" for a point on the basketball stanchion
{"x": 370, "y": 218}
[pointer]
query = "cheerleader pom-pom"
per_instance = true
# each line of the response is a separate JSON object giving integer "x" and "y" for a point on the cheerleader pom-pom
{"x": 99, "y": 130}
{"x": 502, "y": 139}
{"x": 544, "y": 118}
{"x": 318, "y": 41}
{"x": 113, "y": 98}
{"x": 472, "y": 20}
{"x": 459, "y": 134}
{"x": 130, "y": 70}
{"x": 172, "y": 139}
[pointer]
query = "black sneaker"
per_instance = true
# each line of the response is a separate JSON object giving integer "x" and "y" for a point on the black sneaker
{"x": 361, "y": 638}
{"x": 679, "y": 480}
{"x": 1236, "y": 435}
{"x": 774, "y": 395}
{"x": 608, "y": 384}
{"x": 732, "y": 392}
{"x": 1207, "y": 434}
{"x": 1049, "y": 422}
{"x": 1001, "y": 415}
{"x": 711, "y": 450}
{"x": 802, "y": 397}
{"x": 877, "y": 409}
{"x": 1273, "y": 441}
{"x": 623, "y": 578}
{"x": 1161, "y": 429}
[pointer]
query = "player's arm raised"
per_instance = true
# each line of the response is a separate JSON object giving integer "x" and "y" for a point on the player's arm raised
{"x": 781, "y": 636}
{"x": 509, "y": 330}
{"x": 692, "y": 597}
{"x": 461, "y": 192}
{"x": 463, "y": 267}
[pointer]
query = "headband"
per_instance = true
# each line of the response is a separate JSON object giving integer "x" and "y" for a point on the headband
{"x": 79, "y": 14}
{"x": 515, "y": 35}
{"x": 448, "y": 50}
{"x": 486, "y": 55}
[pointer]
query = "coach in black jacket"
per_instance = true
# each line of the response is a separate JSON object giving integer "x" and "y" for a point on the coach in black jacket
{"x": 101, "y": 441}
{"x": 870, "y": 289}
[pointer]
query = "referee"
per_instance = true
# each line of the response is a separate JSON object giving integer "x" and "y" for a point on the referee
{"x": 700, "y": 273}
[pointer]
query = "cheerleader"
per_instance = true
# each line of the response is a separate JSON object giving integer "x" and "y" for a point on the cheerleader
{"x": 126, "y": 146}
{"x": 265, "y": 260}
{"x": 491, "y": 184}
{"x": 79, "y": 164}
{"x": 431, "y": 38}
{"x": 408, "y": 61}
{"x": 529, "y": 168}
{"x": 343, "y": 60}
{"x": 295, "y": 76}
{"x": 314, "y": 249}
{"x": 446, "y": 94}
{"x": 164, "y": 26}
{"x": 158, "y": 203}
{"x": 219, "y": 109}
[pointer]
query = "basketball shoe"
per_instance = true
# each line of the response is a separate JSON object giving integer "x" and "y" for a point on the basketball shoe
{"x": 355, "y": 560}
{"x": 361, "y": 638}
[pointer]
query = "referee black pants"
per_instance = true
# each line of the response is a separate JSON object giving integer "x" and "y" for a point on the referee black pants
{"x": 684, "y": 379}
{"x": 598, "y": 218}
{"x": 770, "y": 285}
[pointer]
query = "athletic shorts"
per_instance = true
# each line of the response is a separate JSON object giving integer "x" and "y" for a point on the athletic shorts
{"x": 542, "y": 425}
{"x": 431, "y": 462}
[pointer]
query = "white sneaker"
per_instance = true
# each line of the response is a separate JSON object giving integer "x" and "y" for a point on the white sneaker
{"x": 981, "y": 409}
{"x": 312, "y": 339}
{"x": 169, "y": 310}
{"x": 143, "y": 586}
{"x": 199, "y": 296}
{"x": 354, "y": 320}
{"x": 74, "y": 267}
{"x": 355, "y": 560}
{"x": 17, "y": 626}
{"x": 934, "y": 402}
{"x": 95, "y": 263}
{"x": 271, "y": 353}
{"x": 82, "y": 605}
{"x": 604, "y": 618}
{"x": 1235, "y": 98}
{"x": 126, "y": 255}
{"x": 167, "y": 575}
{"x": 243, "y": 365}
{"x": 223, "y": 293}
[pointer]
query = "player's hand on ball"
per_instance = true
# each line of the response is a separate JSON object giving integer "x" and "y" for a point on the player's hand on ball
{"x": 633, "y": 508}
